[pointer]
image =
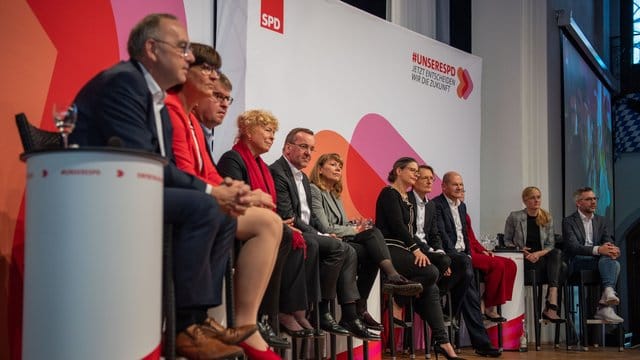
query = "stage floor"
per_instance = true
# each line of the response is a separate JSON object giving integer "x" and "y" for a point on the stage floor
{"x": 547, "y": 353}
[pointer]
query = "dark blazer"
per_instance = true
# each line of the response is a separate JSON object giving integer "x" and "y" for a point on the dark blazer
{"x": 117, "y": 104}
{"x": 394, "y": 218}
{"x": 574, "y": 236}
{"x": 288, "y": 203}
{"x": 430, "y": 222}
{"x": 447, "y": 226}
{"x": 232, "y": 165}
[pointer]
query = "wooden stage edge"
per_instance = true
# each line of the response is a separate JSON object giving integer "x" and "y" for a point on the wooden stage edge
{"x": 547, "y": 353}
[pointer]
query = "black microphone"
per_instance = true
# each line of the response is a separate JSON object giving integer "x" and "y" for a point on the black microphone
{"x": 115, "y": 141}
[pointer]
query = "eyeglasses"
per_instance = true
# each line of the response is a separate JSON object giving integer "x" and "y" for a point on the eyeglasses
{"x": 413, "y": 170}
{"x": 207, "y": 69}
{"x": 595, "y": 198}
{"x": 305, "y": 147}
{"x": 184, "y": 47}
{"x": 222, "y": 97}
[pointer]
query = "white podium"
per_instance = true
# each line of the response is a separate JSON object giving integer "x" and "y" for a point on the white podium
{"x": 513, "y": 311}
{"x": 93, "y": 254}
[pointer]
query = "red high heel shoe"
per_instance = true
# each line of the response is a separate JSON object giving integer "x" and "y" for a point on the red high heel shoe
{"x": 255, "y": 354}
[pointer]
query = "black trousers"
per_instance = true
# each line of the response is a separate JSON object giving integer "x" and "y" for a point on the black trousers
{"x": 202, "y": 241}
{"x": 371, "y": 250}
{"x": 427, "y": 304}
{"x": 286, "y": 293}
{"x": 548, "y": 267}
{"x": 466, "y": 298}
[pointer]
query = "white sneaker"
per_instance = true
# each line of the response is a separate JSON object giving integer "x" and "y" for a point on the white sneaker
{"x": 606, "y": 313}
{"x": 609, "y": 297}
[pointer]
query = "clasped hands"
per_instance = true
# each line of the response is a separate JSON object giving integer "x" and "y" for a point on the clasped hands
{"x": 532, "y": 256}
{"x": 610, "y": 250}
{"x": 235, "y": 197}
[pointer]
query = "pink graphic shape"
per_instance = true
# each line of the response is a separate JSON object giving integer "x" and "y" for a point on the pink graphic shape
{"x": 127, "y": 13}
{"x": 380, "y": 145}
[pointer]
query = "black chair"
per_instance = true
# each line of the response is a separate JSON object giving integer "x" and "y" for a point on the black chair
{"x": 588, "y": 283}
{"x": 453, "y": 334}
{"x": 34, "y": 138}
{"x": 407, "y": 324}
{"x": 536, "y": 283}
{"x": 479, "y": 277}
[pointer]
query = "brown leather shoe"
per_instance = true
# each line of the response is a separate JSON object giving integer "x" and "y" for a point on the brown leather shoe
{"x": 192, "y": 343}
{"x": 230, "y": 336}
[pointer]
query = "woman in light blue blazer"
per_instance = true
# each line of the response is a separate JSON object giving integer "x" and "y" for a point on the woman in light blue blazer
{"x": 367, "y": 240}
{"x": 531, "y": 230}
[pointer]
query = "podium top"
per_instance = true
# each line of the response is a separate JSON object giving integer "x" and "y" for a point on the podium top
{"x": 103, "y": 149}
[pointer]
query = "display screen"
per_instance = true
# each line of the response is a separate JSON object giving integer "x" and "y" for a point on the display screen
{"x": 588, "y": 138}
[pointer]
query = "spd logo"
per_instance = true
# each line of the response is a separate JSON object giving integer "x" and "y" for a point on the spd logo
{"x": 272, "y": 15}
{"x": 465, "y": 85}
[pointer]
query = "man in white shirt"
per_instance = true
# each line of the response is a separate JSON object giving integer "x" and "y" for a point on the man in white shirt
{"x": 590, "y": 246}
{"x": 338, "y": 261}
{"x": 451, "y": 215}
{"x": 211, "y": 112}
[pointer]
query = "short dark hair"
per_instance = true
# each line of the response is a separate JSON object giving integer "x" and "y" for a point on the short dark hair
{"x": 224, "y": 81}
{"x": 292, "y": 134}
{"x": 580, "y": 191}
{"x": 399, "y": 164}
{"x": 146, "y": 29}
{"x": 203, "y": 53}
{"x": 428, "y": 167}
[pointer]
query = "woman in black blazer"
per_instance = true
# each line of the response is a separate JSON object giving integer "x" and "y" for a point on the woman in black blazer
{"x": 394, "y": 218}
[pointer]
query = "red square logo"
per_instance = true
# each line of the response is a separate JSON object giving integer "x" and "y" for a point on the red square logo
{"x": 272, "y": 15}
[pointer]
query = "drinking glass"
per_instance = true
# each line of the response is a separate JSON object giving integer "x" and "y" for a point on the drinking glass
{"x": 65, "y": 117}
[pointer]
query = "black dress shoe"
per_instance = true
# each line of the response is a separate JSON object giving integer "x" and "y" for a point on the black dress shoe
{"x": 488, "y": 352}
{"x": 498, "y": 319}
{"x": 370, "y": 322}
{"x": 357, "y": 329}
{"x": 303, "y": 333}
{"x": 330, "y": 325}
{"x": 270, "y": 336}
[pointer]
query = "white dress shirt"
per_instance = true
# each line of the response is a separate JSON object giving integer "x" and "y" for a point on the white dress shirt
{"x": 588, "y": 231}
{"x": 453, "y": 206}
{"x": 305, "y": 211}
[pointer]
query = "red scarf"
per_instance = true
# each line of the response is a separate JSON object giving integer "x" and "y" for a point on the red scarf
{"x": 260, "y": 178}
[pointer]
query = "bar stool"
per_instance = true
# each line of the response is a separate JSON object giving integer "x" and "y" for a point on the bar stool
{"x": 479, "y": 279}
{"x": 453, "y": 338}
{"x": 390, "y": 291}
{"x": 588, "y": 283}
{"x": 536, "y": 283}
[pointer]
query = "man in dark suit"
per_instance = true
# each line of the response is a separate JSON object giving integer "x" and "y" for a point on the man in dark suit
{"x": 590, "y": 246}
{"x": 453, "y": 273}
{"x": 211, "y": 112}
{"x": 124, "y": 104}
{"x": 451, "y": 215}
{"x": 338, "y": 261}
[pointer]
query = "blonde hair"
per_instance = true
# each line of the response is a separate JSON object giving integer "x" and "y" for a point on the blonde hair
{"x": 249, "y": 119}
{"x": 543, "y": 217}
{"x": 316, "y": 179}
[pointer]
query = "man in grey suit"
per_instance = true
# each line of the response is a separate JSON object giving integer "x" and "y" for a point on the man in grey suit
{"x": 590, "y": 246}
{"x": 338, "y": 261}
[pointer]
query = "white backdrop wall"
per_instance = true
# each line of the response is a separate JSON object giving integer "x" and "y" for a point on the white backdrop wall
{"x": 334, "y": 64}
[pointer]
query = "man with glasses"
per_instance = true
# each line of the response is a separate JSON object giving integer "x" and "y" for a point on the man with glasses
{"x": 338, "y": 261}
{"x": 211, "y": 112}
{"x": 590, "y": 246}
{"x": 125, "y": 104}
